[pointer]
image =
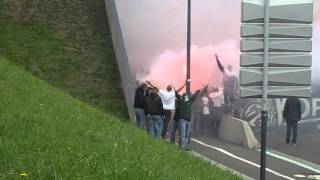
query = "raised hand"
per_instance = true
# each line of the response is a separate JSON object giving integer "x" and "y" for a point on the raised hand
{"x": 216, "y": 56}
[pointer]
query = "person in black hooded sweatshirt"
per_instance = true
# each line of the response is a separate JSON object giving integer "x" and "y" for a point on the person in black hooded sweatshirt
{"x": 292, "y": 114}
{"x": 139, "y": 100}
{"x": 154, "y": 112}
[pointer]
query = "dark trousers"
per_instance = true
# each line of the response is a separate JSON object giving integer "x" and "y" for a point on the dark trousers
{"x": 292, "y": 125}
{"x": 228, "y": 100}
{"x": 166, "y": 121}
{"x": 206, "y": 125}
{"x": 217, "y": 115}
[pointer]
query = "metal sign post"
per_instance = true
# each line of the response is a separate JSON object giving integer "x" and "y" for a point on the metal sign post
{"x": 289, "y": 34}
{"x": 188, "y": 49}
{"x": 275, "y": 54}
{"x": 264, "y": 112}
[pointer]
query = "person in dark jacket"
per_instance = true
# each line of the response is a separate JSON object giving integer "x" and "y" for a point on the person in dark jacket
{"x": 292, "y": 114}
{"x": 139, "y": 100}
{"x": 175, "y": 124}
{"x": 185, "y": 117}
{"x": 154, "y": 112}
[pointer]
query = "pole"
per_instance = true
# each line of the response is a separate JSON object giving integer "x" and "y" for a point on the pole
{"x": 264, "y": 113}
{"x": 188, "y": 48}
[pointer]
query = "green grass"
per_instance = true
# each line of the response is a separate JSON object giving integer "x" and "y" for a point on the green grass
{"x": 48, "y": 134}
{"x": 66, "y": 43}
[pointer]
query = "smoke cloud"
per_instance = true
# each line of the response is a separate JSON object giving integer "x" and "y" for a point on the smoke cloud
{"x": 316, "y": 43}
{"x": 170, "y": 66}
{"x": 155, "y": 38}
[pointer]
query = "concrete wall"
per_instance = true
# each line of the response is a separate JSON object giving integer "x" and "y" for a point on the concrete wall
{"x": 237, "y": 132}
{"x": 121, "y": 55}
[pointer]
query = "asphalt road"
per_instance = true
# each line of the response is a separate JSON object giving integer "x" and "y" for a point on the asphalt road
{"x": 247, "y": 162}
{"x": 308, "y": 143}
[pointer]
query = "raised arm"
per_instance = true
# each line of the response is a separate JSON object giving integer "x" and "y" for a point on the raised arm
{"x": 181, "y": 87}
{"x": 203, "y": 90}
{"x": 221, "y": 68}
{"x": 198, "y": 92}
{"x": 150, "y": 84}
{"x": 193, "y": 97}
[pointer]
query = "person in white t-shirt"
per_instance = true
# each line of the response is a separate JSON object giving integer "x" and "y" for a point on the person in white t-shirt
{"x": 168, "y": 97}
{"x": 217, "y": 98}
{"x": 205, "y": 118}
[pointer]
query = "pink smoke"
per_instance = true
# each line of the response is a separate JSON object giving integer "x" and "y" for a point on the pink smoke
{"x": 170, "y": 66}
{"x": 316, "y": 42}
{"x": 152, "y": 45}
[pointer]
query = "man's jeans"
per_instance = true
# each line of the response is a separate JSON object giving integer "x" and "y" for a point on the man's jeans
{"x": 175, "y": 126}
{"x": 155, "y": 125}
{"x": 184, "y": 132}
{"x": 140, "y": 119}
{"x": 292, "y": 124}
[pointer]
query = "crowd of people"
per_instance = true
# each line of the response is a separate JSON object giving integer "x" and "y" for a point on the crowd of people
{"x": 163, "y": 112}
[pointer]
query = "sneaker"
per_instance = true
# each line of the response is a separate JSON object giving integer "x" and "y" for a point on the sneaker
{"x": 287, "y": 143}
{"x": 294, "y": 144}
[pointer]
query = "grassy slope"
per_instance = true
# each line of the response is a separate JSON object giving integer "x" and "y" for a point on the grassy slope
{"x": 47, "y": 134}
{"x": 67, "y": 43}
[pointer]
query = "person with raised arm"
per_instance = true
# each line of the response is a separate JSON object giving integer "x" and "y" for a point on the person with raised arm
{"x": 139, "y": 104}
{"x": 168, "y": 98}
{"x": 185, "y": 116}
{"x": 230, "y": 83}
{"x": 154, "y": 112}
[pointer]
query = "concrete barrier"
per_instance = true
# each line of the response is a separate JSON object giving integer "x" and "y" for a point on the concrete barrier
{"x": 121, "y": 55}
{"x": 237, "y": 132}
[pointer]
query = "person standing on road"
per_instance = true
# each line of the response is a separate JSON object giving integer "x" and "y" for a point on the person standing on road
{"x": 175, "y": 123}
{"x": 139, "y": 100}
{"x": 185, "y": 117}
{"x": 292, "y": 114}
{"x": 217, "y": 98}
{"x": 204, "y": 125}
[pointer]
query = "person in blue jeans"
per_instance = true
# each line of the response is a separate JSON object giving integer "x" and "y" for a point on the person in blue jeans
{"x": 139, "y": 100}
{"x": 185, "y": 117}
{"x": 174, "y": 129}
{"x": 154, "y": 112}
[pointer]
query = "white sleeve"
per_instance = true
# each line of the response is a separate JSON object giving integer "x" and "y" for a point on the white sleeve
{"x": 161, "y": 93}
